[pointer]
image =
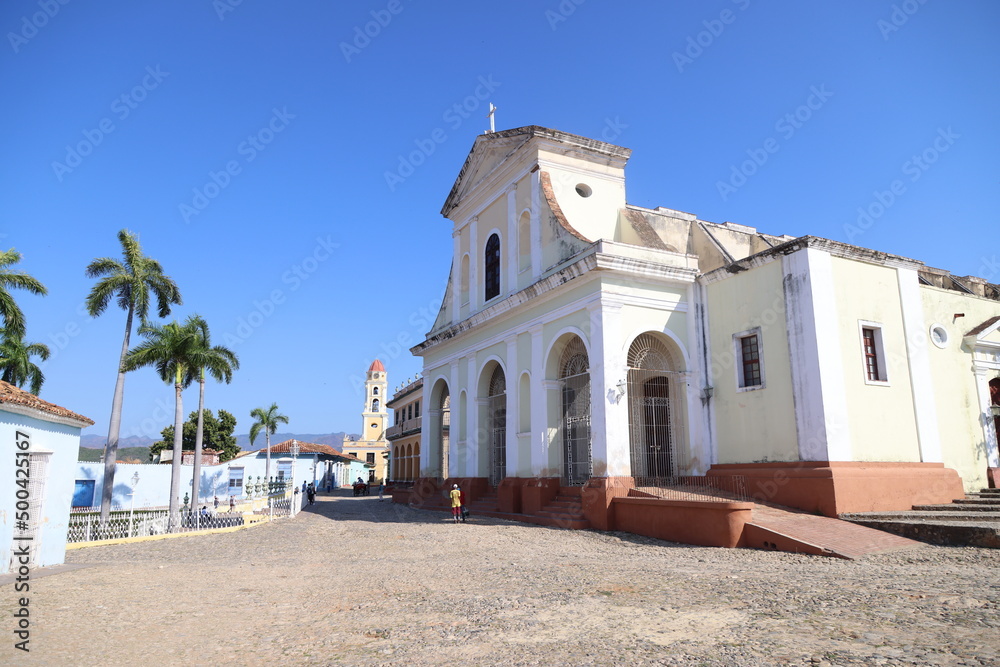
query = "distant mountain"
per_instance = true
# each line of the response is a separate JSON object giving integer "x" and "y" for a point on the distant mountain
{"x": 132, "y": 454}
{"x": 333, "y": 439}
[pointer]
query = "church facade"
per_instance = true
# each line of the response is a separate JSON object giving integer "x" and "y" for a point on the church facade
{"x": 586, "y": 342}
{"x": 372, "y": 446}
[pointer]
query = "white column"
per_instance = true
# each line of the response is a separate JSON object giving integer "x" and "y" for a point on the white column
{"x": 536, "y": 227}
{"x": 456, "y": 422}
{"x": 511, "y": 236}
{"x": 472, "y": 421}
{"x": 475, "y": 257}
{"x": 539, "y": 417}
{"x": 456, "y": 277}
{"x": 428, "y": 434}
{"x": 701, "y": 413}
{"x": 609, "y": 415}
{"x": 921, "y": 380}
{"x": 983, "y": 376}
{"x": 513, "y": 406}
{"x": 818, "y": 386}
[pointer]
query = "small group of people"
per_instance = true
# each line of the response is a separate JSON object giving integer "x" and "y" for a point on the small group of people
{"x": 459, "y": 511}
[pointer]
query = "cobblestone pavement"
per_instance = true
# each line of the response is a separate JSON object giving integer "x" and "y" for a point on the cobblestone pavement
{"x": 357, "y": 582}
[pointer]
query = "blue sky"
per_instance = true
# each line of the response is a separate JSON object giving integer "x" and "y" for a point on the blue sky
{"x": 287, "y": 162}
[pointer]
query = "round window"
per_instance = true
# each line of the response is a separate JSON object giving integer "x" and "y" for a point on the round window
{"x": 583, "y": 190}
{"x": 939, "y": 335}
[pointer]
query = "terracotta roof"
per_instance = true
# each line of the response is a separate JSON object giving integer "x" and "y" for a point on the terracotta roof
{"x": 12, "y": 395}
{"x": 984, "y": 326}
{"x": 310, "y": 448}
{"x": 376, "y": 366}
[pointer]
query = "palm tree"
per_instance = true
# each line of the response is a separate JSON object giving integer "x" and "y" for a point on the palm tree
{"x": 267, "y": 419}
{"x": 172, "y": 350}
{"x": 12, "y": 316}
{"x": 15, "y": 361}
{"x": 131, "y": 283}
{"x": 220, "y": 362}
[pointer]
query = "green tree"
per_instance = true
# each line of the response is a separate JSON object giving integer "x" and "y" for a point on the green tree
{"x": 219, "y": 362}
{"x": 267, "y": 419}
{"x": 131, "y": 283}
{"x": 171, "y": 350}
{"x": 217, "y": 435}
{"x": 13, "y": 318}
{"x": 15, "y": 361}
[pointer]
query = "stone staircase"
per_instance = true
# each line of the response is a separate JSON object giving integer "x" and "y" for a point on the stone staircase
{"x": 971, "y": 521}
{"x": 565, "y": 511}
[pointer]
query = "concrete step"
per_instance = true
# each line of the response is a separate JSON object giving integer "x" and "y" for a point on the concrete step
{"x": 981, "y": 500}
{"x": 939, "y": 513}
{"x": 964, "y": 507}
{"x": 936, "y": 529}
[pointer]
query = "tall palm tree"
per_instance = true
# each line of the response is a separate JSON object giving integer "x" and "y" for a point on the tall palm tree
{"x": 13, "y": 318}
{"x": 132, "y": 283}
{"x": 172, "y": 350}
{"x": 219, "y": 362}
{"x": 268, "y": 420}
{"x": 15, "y": 361}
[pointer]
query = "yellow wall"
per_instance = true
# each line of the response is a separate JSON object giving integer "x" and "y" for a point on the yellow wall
{"x": 962, "y": 439}
{"x": 755, "y": 425}
{"x": 882, "y": 418}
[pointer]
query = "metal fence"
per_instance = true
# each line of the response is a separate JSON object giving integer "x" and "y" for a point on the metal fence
{"x": 85, "y": 522}
{"x": 700, "y": 488}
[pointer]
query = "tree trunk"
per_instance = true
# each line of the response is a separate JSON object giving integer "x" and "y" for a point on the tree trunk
{"x": 111, "y": 447}
{"x": 175, "y": 463}
{"x": 196, "y": 475}
{"x": 267, "y": 466}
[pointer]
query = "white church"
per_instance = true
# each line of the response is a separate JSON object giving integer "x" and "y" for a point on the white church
{"x": 585, "y": 342}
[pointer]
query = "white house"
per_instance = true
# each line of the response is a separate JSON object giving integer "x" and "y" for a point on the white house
{"x": 39, "y": 444}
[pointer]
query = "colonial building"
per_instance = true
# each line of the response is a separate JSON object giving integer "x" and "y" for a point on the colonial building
{"x": 404, "y": 434}
{"x": 372, "y": 446}
{"x": 40, "y": 443}
{"x": 584, "y": 341}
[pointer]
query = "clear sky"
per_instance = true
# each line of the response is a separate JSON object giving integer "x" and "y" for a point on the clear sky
{"x": 287, "y": 162}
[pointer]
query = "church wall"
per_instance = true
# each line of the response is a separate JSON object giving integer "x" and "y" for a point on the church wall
{"x": 752, "y": 425}
{"x": 963, "y": 438}
{"x": 523, "y": 199}
{"x": 882, "y": 420}
{"x": 595, "y": 216}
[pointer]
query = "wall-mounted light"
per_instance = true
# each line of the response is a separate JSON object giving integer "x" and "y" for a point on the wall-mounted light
{"x": 995, "y": 410}
{"x": 621, "y": 386}
{"x": 707, "y": 392}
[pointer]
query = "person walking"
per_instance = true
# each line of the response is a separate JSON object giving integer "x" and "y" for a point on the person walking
{"x": 381, "y": 490}
{"x": 232, "y": 504}
{"x": 217, "y": 504}
{"x": 311, "y": 493}
{"x": 456, "y": 502}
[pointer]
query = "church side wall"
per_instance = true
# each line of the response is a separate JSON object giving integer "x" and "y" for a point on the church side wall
{"x": 752, "y": 424}
{"x": 960, "y": 418}
{"x": 882, "y": 419}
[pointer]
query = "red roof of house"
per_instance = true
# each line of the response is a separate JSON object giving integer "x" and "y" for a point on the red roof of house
{"x": 14, "y": 396}
{"x": 376, "y": 366}
{"x": 310, "y": 448}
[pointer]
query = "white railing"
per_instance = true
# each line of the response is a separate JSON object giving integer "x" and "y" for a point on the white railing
{"x": 85, "y": 522}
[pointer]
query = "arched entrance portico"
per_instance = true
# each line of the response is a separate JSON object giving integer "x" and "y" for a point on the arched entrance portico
{"x": 438, "y": 432}
{"x": 574, "y": 381}
{"x": 496, "y": 426}
{"x": 655, "y": 410}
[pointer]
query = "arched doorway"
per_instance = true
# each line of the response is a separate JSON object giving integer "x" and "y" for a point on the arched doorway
{"x": 995, "y": 400}
{"x": 574, "y": 380}
{"x": 653, "y": 404}
{"x": 497, "y": 425}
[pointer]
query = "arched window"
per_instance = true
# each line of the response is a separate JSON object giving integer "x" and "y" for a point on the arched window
{"x": 492, "y": 276}
{"x": 374, "y": 391}
{"x": 374, "y": 405}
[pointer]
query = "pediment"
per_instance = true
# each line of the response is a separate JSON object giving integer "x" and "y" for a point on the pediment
{"x": 489, "y": 153}
{"x": 987, "y": 333}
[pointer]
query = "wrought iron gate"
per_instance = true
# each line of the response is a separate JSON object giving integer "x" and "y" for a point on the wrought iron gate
{"x": 575, "y": 380}
{"x": 497, "y": 410}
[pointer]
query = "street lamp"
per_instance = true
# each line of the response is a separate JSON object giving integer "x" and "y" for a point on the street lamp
{"x": 131, "y": 510}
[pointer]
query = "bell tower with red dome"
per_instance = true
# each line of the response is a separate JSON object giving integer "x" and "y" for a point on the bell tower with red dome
{"x": 372, "y": 447}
